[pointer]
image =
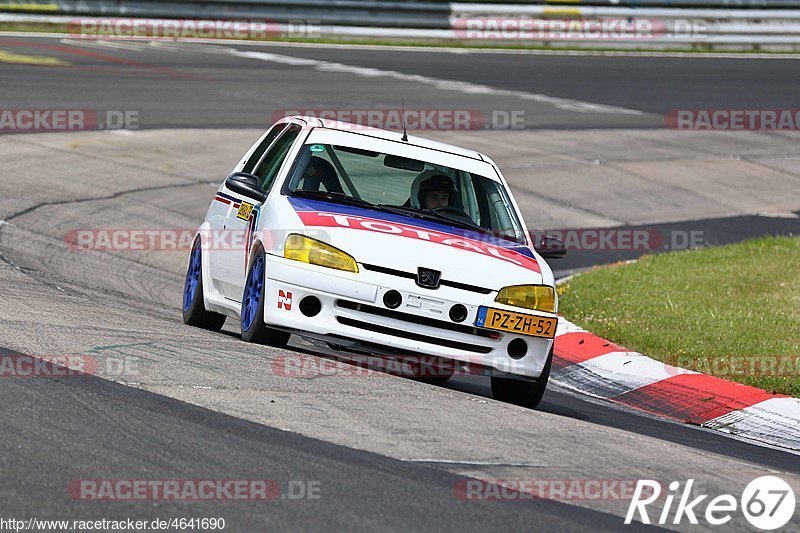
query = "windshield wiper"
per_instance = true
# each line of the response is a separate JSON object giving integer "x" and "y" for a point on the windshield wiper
{"x": 429, "y": 214}
{"x": 401, "y": 210}
{"x": 336, "y": 197}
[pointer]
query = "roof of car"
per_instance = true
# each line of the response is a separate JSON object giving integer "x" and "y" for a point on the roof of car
{"x": 394, "y": 136}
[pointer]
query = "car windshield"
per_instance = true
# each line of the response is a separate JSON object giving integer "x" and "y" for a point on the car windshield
{"x": 410, "y": 187}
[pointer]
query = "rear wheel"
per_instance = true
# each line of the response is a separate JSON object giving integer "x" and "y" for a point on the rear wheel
{"x": 194, "y": 310}
{"x": 253, "y": 327}
{"x": 525, "y": 393}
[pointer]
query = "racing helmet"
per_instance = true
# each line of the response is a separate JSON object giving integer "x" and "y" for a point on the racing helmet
{"x": 320, "y": 172}
{"x": 431, "y": 180}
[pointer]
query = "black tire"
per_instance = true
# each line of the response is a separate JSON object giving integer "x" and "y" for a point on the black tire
{"x": 194, "y": 310}
{"x": 522, "y": 392}
{"x": 252, "y": 325}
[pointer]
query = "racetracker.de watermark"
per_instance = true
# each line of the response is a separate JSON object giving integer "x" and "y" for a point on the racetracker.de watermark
{"x": 619, "y": 239}
{"x": 544, "y": 489}
{"x": 733, "y": 119}
{"x": 172, "y": 239}
{"x": 575, "y": 29}
{"x": 740, "y": 366}
{"x": 46, "y": 366}
{"x": 182, "y": 239}
{"x": 302, "y": 366}
{"x": 193, "y": 490}
{"x": 57, "y": 366}
{"x": 132, "y": 28}
{"x": 42, "y": 120}
{"x": 415, "y": 119}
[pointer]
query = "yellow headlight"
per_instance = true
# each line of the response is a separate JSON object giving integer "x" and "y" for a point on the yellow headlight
{"x": 536, "y": 297}
{"x": 301, "y": 248}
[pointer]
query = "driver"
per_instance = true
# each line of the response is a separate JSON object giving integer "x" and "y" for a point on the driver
{"x": 320, "y": 172}
{"x": 434, "y": 190}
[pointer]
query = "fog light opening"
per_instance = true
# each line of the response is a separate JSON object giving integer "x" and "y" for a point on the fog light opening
{"x": 310, "y": 306}
{"x": 517, "y": 349}
{"x": 458, "y": 313}
{"x": 392, "y": 299}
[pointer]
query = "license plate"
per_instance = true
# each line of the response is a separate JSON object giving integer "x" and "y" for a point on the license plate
{"x": 535, "y": 326}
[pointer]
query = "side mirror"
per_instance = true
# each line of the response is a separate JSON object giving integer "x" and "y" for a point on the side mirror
{"x": 550, "y": 247}
{"x": 246, "y": 185}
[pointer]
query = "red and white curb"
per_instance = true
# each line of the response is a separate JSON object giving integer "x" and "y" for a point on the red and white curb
{"x": 584, "y": 362}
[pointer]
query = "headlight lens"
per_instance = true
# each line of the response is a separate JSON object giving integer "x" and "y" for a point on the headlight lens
{"x": 301, "y": 248}
{"x": 536, "y": 297}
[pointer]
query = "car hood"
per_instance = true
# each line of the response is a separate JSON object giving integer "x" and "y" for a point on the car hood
{"x": 405, "y": 243}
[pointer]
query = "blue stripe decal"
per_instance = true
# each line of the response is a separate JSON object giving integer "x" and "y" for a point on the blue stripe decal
{"x": 305, "y": 204}
{"x": 227, "y": 197}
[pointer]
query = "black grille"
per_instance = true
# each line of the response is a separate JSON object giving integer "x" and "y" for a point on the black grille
{"x": 416, "y": 319}
{"x": 413, "y": 336}
{"x": 411, "y": 275}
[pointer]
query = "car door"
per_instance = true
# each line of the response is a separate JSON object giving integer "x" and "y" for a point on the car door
{"x": 242, "y": 217}
{"x": 222, "y": 205}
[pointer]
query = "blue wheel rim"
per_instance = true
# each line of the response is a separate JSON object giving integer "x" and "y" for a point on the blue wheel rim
{"x": 192, "y": 277}
{"x": 252, "y": 293}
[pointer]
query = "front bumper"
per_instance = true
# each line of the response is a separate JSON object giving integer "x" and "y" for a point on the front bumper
{"x": 352, "y": 308}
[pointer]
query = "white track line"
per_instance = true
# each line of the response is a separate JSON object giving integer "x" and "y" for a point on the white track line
{"x": 565, "y": 104}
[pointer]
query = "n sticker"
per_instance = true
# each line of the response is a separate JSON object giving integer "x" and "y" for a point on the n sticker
{"x": 285, "y": 300}
{"x": 244, "y": 211}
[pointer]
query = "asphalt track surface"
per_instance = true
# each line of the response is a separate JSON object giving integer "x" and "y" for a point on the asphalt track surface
{"x": 174, "y": 440}
{"x": 373, "y": 461}
{"x": 177, "y": 85}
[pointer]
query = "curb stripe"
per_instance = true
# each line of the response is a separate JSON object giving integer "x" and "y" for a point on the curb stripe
{"x": 592, "y": 365}
{"x": 572, "y": 348}
{"x": 617, "y": 373}
{"x": 775, "y": 421}
{"x": 693, "y": 398}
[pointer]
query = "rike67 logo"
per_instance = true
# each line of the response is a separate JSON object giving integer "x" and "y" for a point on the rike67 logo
{"x": 767, "y": 502}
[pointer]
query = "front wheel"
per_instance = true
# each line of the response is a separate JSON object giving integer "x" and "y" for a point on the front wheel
{"x": 253, "y": 327}
{"x": 522, "y": 392}
{"x": 194, "y": 310}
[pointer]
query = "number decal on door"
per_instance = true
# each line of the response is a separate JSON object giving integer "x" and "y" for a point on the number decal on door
{"x": 244, "y": 211}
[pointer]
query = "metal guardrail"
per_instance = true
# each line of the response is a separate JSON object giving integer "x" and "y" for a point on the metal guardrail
{"x": 373, "y": 19}
{"x": 391, "y": 14}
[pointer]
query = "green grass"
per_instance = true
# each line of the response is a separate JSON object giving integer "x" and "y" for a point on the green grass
{"x": 731, "y": 311}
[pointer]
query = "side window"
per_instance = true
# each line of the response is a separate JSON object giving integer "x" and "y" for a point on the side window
{"x": 250, "y": 164}
{"x": 273, "y": 159}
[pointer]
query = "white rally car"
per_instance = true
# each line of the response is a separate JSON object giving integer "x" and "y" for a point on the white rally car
{"x": 377, "y": 243}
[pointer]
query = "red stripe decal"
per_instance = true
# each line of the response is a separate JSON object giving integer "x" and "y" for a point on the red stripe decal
{"x": 323, "y": 219}
{"x": 693, "y": 398}
{"x": 573, "y": 348}
{"x": 226, "y": 201}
